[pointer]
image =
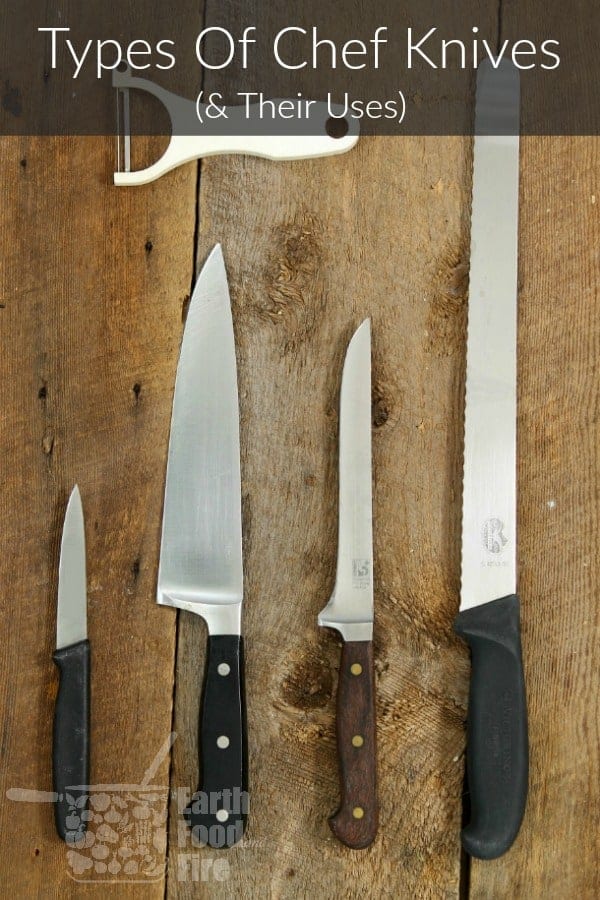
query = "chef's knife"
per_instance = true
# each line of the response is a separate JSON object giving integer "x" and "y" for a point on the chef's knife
{"x": 201, "y": 550}
{"x": 71, "y": 741}
{"x": 497, "y": 749}
{"x": 350, "y": 609}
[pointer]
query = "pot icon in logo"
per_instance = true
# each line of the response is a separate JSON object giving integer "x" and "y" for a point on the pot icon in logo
{"x": 494, "y": 540}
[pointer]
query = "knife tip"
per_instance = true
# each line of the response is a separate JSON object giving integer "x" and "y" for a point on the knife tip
{"x": 216, "y": 254}
{"x": 363, "y": 330}
{"x": 75, "y": 495}
{"x": 212, "y": 272}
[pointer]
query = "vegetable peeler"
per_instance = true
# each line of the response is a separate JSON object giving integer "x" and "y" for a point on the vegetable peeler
{"x": 193, "y": 138}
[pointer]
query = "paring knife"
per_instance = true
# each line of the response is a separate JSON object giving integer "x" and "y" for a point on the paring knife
{"x": 201, "y": 550}
{"x": 350, "y": 610}
{"x": 497, "y": 748}
{"x": 71, "y": 741}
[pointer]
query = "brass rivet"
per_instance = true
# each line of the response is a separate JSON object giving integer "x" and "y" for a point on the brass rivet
{"x": 358, "y": 740}
{"x": 356, "y": 668}
{"x": 358, "y": 812}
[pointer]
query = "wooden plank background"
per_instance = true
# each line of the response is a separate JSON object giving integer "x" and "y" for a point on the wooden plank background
{"x": 94, "y": 283}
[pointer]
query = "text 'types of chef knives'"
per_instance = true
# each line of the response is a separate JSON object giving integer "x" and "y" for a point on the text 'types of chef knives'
{"x": 71, "y": 734}
{"x": 350, "y": 610}
{"x": 489, "y": 617}
{"x": 201, "y": 549}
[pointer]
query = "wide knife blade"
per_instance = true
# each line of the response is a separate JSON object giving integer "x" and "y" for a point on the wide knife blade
{"x": 71, "y": 741}
{"x": 497, "y": 751}
{"x": 200, "y": 567}
{"x": 350, "y": 609}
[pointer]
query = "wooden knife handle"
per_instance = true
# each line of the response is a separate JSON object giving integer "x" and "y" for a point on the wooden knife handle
{"x": 355, "y": 823}
{"x": 71, "y": 741}
{"x": 217, "y": 812}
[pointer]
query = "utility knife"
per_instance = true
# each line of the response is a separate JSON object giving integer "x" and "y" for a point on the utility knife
{"x": 489, "y": 617}
{"x": 350, "y": 609}
{"x": 71, "y": 734}
{"x": 200, "y": 567}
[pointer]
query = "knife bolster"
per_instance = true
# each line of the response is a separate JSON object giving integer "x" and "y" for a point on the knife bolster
{"x": 356, "y": 821}
{"x": 497, "y": 743}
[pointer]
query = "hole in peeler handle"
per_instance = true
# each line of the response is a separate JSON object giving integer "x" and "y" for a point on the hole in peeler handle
{"x": 337, "y": 128}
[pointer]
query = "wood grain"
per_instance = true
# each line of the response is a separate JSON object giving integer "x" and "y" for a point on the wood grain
{"x": 311, "y": 250}
{"x": 556, "y": 854}
{"x": 92, "y": 286}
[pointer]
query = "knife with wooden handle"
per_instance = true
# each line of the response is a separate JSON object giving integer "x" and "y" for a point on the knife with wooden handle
{"x": 497, "y": 746}
{"x": 200, "y": 568}
{"x": 71, "y": 732}
{"x": 350, "y": 609}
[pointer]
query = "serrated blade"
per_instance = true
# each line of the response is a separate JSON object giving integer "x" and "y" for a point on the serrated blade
{"x": 489, "y": 490}
{"x": 200, "y": 565}
{"x": 71, "y": 613}
{"x": 350, "y": 609}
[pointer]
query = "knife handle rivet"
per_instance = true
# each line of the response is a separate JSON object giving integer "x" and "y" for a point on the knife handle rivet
{"x": 223, "y": 669}
{"x": 223, "y": 742}
{"x": 358, "y": 740}
{"x": 356, "y": 669}
{"x": 358, "y": 812}
{"x": 222, "y": 815}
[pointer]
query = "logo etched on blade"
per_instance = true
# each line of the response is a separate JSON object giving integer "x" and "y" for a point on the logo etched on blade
{"x": 494, "y": 539}
{"x": 361, "y": 573}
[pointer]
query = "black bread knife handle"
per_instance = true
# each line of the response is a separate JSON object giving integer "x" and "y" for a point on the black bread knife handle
{"x": 217, "y": 812}
{"x": 497, "y": 744}
{"x": 71, "y": 741}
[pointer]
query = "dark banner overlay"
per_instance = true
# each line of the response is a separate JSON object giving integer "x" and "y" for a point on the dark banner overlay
{"x": 194, "y": 67}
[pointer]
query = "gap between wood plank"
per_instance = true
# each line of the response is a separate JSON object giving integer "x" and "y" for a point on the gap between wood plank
{"x": 178, "y": 613}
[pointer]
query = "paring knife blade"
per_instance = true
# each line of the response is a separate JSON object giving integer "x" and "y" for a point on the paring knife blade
{"x": 200, "y": 566}
{"x": 350, "y": 610}
{"x": 70, "y": 743}
{"x": 497, "y": 751}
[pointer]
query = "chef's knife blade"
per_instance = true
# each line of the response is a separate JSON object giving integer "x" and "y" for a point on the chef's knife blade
{"x": 350, "y": 610}
{"x": 200, "y": 566}
{"x": 71, "y": 744}
{"x": 497, "y": 751}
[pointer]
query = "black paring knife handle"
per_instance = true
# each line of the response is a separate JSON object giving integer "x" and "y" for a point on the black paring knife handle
{"x": 356, "y": 821}
{"x": 217, "y": 812}
{"x": 71, "y": 741}
{"x": 497, "y": 744}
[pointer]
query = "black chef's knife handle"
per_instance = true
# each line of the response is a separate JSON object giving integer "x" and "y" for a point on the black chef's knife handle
{"x": 497, "y": 745}
{"x": 71, "y": 741}
{"x": 223, "y": 748}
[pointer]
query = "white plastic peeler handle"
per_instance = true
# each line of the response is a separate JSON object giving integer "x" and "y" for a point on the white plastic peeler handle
{"x": 184, "y": 147}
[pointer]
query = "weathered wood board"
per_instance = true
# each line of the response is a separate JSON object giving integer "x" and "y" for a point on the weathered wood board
{"x": 93, "y": 282}
{"x": 313, "y": 249}
{"x": 556, "y": 854}
{"x": 93, "y": 290}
